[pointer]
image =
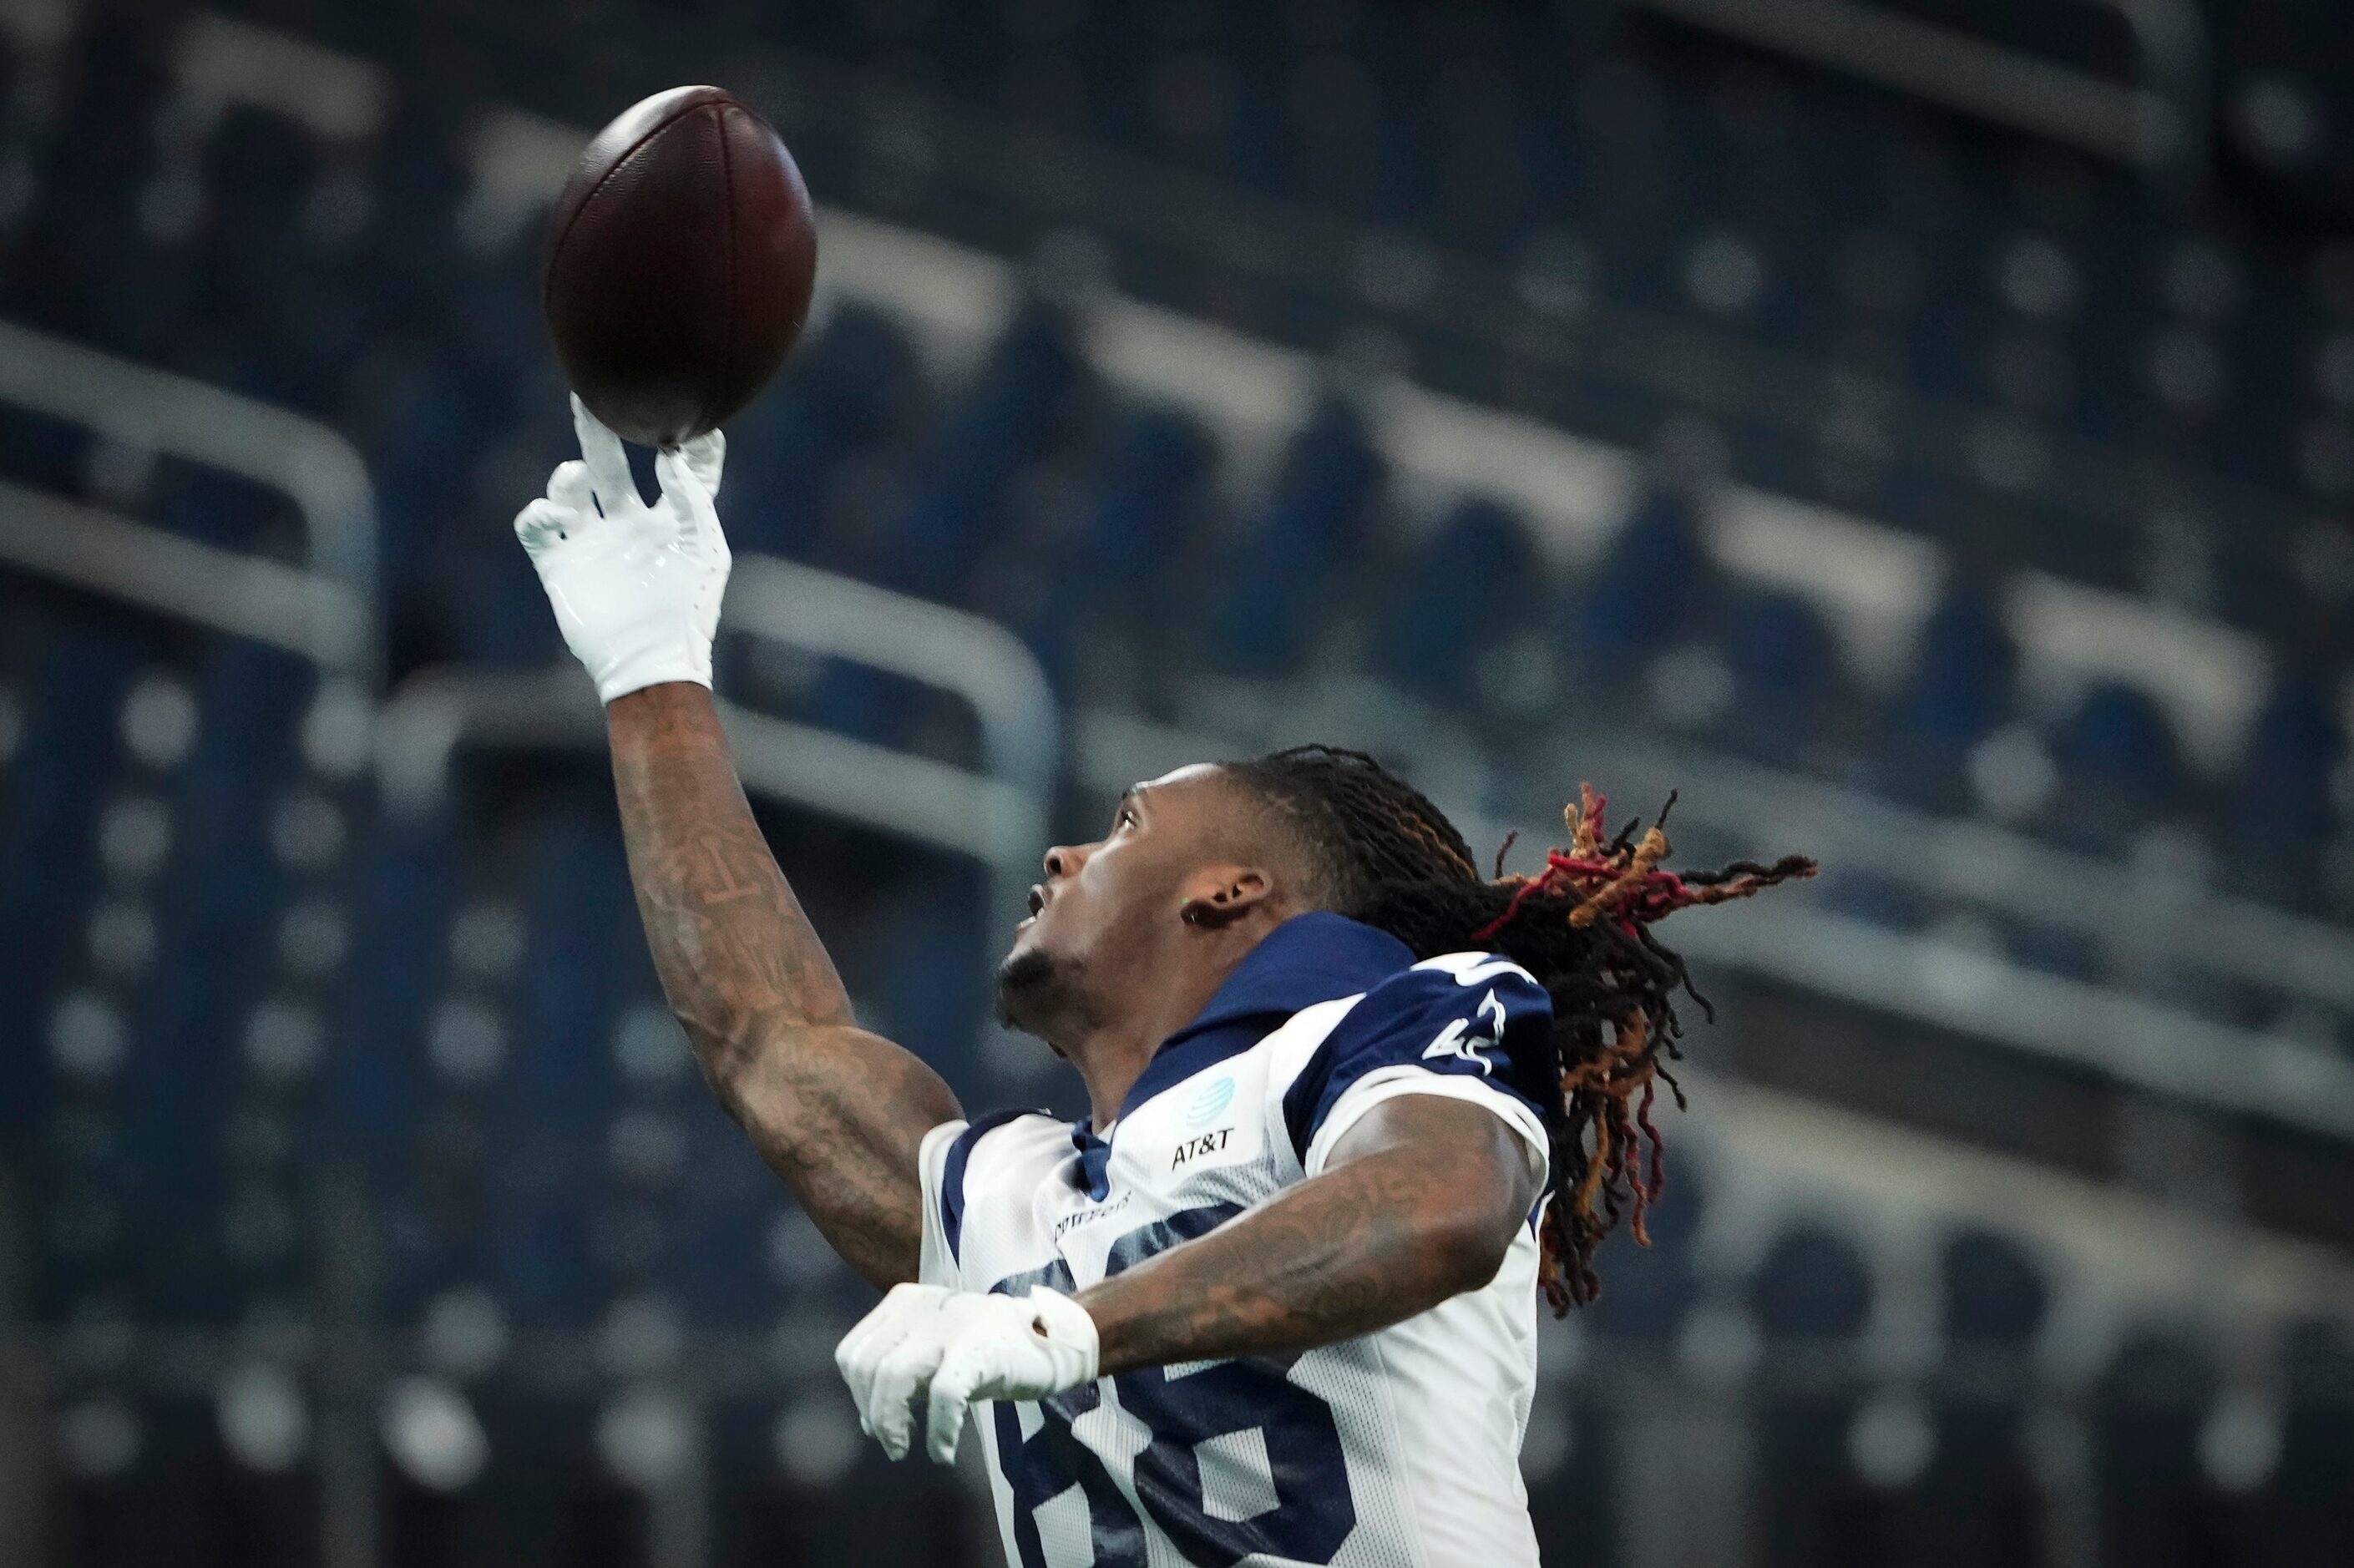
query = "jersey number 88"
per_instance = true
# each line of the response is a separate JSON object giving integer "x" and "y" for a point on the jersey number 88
{"x": 1313, "y": 1512}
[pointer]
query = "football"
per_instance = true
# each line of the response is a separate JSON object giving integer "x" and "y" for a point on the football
{"x": 679, "y": 265}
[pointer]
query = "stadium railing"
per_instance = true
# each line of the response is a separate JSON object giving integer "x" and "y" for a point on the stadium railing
{"x": 2159, "y": 122}
{"x": 324, "y": 611}
{"x": 1004, "y": 184}
{"x": 996, "y": 814}
{"x": 2155, "y": 1047}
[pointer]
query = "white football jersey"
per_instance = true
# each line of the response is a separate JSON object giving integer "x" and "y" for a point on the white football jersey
{"x": 1399, "y": 1449}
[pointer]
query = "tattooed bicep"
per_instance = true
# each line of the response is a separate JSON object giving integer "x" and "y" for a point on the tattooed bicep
{"x": 841, "y": 1114}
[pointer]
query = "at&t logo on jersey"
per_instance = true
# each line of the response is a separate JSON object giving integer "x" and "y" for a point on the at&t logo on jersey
{"x": 1207, "y": 1101}
{"x": 1194, "y": 1148}
{"x": 1205, "y": 1105}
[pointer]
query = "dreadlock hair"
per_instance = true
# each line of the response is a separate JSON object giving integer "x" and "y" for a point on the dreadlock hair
{"x": 1379, "y": 852}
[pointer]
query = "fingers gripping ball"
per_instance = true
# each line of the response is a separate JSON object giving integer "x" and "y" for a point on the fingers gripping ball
{"x": 636, "y": 586}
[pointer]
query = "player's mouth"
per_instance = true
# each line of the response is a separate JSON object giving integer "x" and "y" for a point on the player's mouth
{"x": 1037, "y": 905}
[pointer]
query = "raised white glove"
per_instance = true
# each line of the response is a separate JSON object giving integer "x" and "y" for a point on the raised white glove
{"x": 952, "y": 1348}
{"x": 636, "y": 588}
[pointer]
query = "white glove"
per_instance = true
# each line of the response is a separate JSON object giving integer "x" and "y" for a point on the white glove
{"x": 636, "y": 588}
{"x": 954, "y": 1347}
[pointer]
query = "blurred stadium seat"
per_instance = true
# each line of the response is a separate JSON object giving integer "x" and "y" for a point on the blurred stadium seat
{"x": 240, "y": 976}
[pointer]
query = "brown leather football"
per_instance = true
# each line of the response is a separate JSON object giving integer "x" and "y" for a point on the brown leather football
{"x": 679, "y": 265}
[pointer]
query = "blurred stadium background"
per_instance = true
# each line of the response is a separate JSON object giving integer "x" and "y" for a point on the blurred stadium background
{"x": 1922, "y": 430}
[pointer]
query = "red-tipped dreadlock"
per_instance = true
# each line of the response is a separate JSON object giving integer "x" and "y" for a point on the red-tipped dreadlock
{"x": 1582, "y": 927}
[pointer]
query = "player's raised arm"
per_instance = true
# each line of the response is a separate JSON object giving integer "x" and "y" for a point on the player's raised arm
{"x": 838, "y": 1112}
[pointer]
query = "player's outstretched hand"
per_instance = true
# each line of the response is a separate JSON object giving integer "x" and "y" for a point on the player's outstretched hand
{"x": 636, "y": 588}
{"x": 950, "y": 1348}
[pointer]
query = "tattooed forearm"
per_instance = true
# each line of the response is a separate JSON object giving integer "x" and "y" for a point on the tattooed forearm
{"x": 728, "y": 937}
{"x": 837, "y": 1112}
{"x": 1418, "y": 1205}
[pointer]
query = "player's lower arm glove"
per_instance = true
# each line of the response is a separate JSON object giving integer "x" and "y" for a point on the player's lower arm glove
{"x": 950, "y": 1348}
{"x": 636, "y": 588}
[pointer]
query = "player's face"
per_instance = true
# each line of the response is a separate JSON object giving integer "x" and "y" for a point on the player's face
{"x": 1108, "y": 906}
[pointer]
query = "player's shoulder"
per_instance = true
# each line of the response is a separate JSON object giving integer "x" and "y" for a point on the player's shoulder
{"x": 1466, "y": 1015}
{"x": 1412, "y": 1004}
{"x": 1448, "y": 982}
{"x": 1004, "y": 1149}
{"x": 1002, "y": 1136}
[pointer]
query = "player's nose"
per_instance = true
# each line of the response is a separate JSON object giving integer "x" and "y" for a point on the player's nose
{"x": 1065, "y": 860}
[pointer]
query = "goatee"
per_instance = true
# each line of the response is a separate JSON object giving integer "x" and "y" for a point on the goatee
{"x": 1040, "y": 994}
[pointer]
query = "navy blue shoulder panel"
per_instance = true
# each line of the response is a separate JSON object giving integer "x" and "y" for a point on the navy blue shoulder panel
{"x": 1467, "y": 1016}
{"x": 952, "y": 1173}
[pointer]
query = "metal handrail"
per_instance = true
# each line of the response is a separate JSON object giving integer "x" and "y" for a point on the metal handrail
{"x": 227, "y": 590}
{"x": 1979, "y": 863}
{"x": 2157, "y": 122}
{"x": 2172, "y": 52}
{"x": 438, "y": 712}
{"x": 2125, "y": 1038}
{"x": 929, "y": 643}
{"x": 997, "y": 814}
{"x": 157, "y": 410}
{"x": 1942, "y": 65}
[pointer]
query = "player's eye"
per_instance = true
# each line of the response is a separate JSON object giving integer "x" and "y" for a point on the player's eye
{"x": 1124, "y": 819}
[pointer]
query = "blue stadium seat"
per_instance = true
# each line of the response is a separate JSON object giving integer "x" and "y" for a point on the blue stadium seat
{"x": 2154, "y": 1507}
{"x": 1789, "y": 684}
{"x": 405, "y": 888}
{"x": 1812, "y": 1289}
{"x": 2309, "y": 1515}
{"x": 1003, "y": 422}
{"x": 1112, "y": 577}
{"x": 1277, "y": 578}
{"x": 67, "y": 754}
{"x": 555, "y": 1093}
{"x": 1881, "y": 900}
{"x": 2119, "y": 765}
{"x": 1655, "y": 578}
{"x": 1465, "y": 589}
{"x": 1979, "y": 1501}
{"x": 1993, "y": 1292}
{"x": 258, "y": 172}
{"x": 934, "y": 967}
{"x": 41, "y": 452}
{"x": 584, "y": 946}
{"x": 2279, "y": 812}
{"x": 416, "y": 177}
{"x": 219, "y": 903}
{"x": 1130, "y": 536}
{"x": 1958, "y": 691}
{"x": 84, "y": 218}
{"x": 852, "y": 386}
{"x": 718, "y": 1262}
{"x": 2050, "y": 948}
{"x": 1812, "y": 1285}
{"x": 501, "y": 620}
{"x": 421, "y": 434}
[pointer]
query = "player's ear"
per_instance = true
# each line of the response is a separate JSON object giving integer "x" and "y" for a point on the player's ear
{"x": 1221, "y": 895}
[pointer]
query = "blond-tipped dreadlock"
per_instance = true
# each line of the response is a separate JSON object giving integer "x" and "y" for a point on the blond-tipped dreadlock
{"x": 1582, "y": 927}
